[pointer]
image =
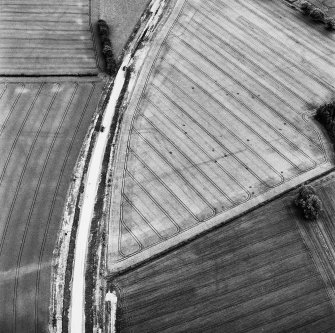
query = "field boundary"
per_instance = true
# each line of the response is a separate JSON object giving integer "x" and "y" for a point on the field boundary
{"x": 170, "y": 249}
{"x": 23, "y": 76}
{"x": 283, "y": 256}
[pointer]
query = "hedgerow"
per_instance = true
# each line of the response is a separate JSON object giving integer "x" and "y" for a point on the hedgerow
{"x": 317, "y": 14}
{"x": 106, "y": 45}
{"x": 330, "y": 23}
{"x": 306, "y": 7}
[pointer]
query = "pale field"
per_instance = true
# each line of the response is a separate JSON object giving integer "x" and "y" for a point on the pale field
{"x": 46, "y": 37}
{"x": 218, "y": 122}
{"x": 42, "y": 127}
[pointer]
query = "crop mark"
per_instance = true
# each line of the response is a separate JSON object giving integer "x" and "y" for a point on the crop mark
{"x": 154, "y": 201}
{"x": 244, "y": 105}
{"x": 211, "y": 40}
{"x": 306, "y": 31}
{"x": 161, "y": 237}
{"x": 214, "y": 138}
{"x": 289, "y": 35}
{"x": 184, "y": 155}
{"x": 274, "y": 23}
{"x": 250, "y": 61}
{"x": 256, "y": 133}
{"x": 318, "y": 145}
{"x": 268, "y": 74}
{"x": 123, "y": 224}
{"x": 164, "y": 185}
{"x": 175, "y": 170}
{"x": 160, "y": 111}
{"x": 251, "y": 32}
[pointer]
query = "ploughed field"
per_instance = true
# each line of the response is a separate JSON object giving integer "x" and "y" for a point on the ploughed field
{"x": 319, "y": 235}
{"x": 255, "y": 274}
{"x": 42, "y": 127}
{"x": 46, "y": 37}
{"x": 219, "y": 121}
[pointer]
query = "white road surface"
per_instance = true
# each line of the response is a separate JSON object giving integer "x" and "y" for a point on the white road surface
{"x": 77, "y": 315}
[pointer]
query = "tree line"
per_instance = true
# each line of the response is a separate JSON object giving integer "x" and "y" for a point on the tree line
{"x": 317, "y": 14}
{"x": 107, "y": 50}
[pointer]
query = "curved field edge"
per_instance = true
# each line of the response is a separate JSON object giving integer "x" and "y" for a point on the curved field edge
{"x": 95, "y": 306}
{"x": 115, "y": 266}
{"x": 269, "y": 270}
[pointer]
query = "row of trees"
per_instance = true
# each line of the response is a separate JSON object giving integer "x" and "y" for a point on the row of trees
{"x": 106, "y": 44}
{"x": 309, "y": 203}
{"x": 317, "y": 14}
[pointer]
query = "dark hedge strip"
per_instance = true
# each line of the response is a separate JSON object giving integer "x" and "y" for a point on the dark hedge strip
{"x": 107, "y": 51}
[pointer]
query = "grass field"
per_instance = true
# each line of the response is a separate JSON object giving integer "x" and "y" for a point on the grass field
{"x": 122, "y": 16}
{"x": 42, "y": 127}
{"x": 218, "y": 122}
{"x": 256, "y": 274}
{"x": 46, "y": 37}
